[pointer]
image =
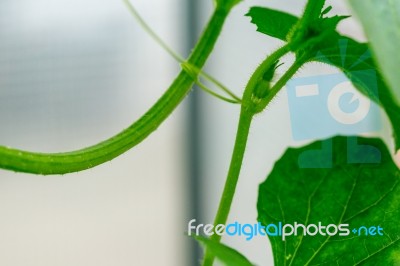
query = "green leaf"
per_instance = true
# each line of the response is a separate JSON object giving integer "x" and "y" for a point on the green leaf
{"x": 225, "y": 254}
{"x": 381, "y": 21}
{"x": 356, "y": 62}
{"x": 360, "y": 188}
{"x": 287, "y": 27}
{"x": 271, "y": 22}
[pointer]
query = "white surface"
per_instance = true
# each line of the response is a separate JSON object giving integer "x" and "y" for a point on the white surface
{"x": 73, "y": 73}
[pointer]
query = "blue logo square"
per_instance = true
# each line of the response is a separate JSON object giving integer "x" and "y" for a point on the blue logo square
{"x": 326, "y": 105}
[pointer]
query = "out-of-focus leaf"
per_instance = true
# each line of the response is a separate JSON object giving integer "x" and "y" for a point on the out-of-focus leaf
{"x": 360, "y": 189}
{"x": 381, "y": 21}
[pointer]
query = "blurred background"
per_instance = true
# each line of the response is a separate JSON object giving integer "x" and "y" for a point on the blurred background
{"x": 73, "y": 73}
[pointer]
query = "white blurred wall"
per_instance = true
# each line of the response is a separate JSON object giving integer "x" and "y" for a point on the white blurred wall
{"x": 73, "y": 73}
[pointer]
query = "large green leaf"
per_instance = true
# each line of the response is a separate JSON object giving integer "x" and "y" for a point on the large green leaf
{"x": 225, "y": 254}
{"x": 381, "y": 21}
{"x": 361, "y": 188}
{"x": 350, "y": 56}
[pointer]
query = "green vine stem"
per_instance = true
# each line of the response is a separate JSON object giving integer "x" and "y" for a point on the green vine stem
{"x": 250, "y": 106}
{"x": 233, "y": 177}
{"x": 68, "y": 162}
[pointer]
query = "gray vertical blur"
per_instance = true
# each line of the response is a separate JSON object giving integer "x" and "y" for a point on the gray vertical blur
{"x": 73, "y": 73}
{"x": 194, "y": 144}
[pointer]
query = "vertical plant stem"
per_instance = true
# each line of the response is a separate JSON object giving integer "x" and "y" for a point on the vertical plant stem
{"x": 233, "y": 177}
{"x": 247, "y": 113}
